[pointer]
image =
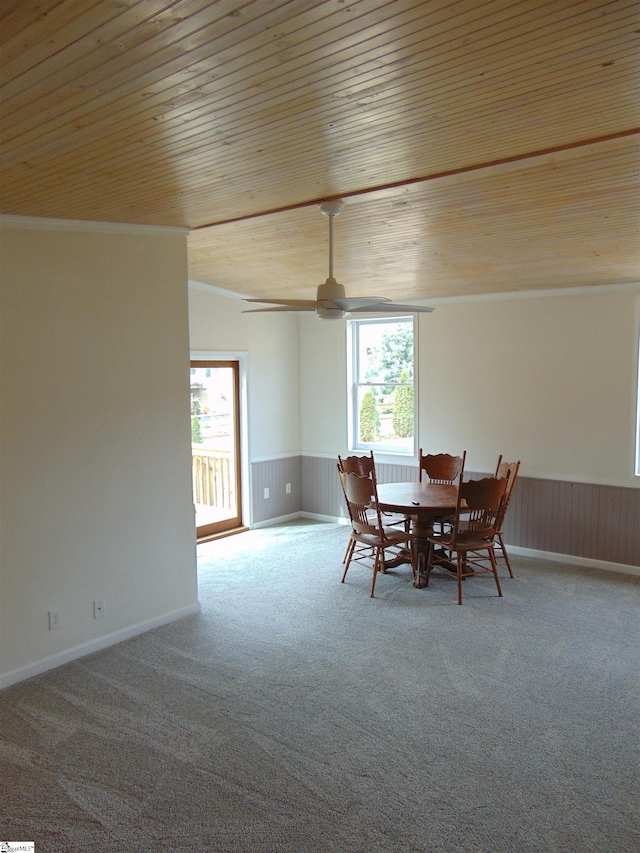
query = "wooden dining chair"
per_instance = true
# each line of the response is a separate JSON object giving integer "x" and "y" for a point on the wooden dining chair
{"x": 441, "y": 468}
{"x": 369, "y": 539}
{"x": 460, "y": 552}
{"x": 505, "y": 469}
{"x": 362, "y": 465}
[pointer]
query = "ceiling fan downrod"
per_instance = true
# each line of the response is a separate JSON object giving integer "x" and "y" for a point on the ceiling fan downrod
{"x": 331, "y": 209}
{"x": 331, "y": 302}
{"x": 331, "y": 289}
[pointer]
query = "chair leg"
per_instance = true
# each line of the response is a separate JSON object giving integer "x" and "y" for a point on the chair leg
{"x": 432, "y": 549}
{"x": 505, "y": 555}
{"x": 494, "y": 566}
{"x": 460, "y": 561}
{"x": 347, "y": 557}
{"x": 378, "y": 559}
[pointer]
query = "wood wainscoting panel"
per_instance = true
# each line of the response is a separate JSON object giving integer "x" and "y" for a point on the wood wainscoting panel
{"x": 582, "y": 519}
{"x": 274, "y": 474}
{"x": 321, "y": 489}
{"x": 586, "y": 520}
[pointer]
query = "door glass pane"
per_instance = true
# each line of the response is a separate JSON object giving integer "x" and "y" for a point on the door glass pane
{"x": 214, "y": 446}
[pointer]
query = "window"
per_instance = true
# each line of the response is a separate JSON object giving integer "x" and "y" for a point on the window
{"x": 382, "y": 385}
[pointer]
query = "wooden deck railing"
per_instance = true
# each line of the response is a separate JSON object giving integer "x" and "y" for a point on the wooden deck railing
{"x": 213, "y": 484}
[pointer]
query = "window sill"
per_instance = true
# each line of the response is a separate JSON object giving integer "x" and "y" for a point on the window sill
{"x": 384, "y": 457}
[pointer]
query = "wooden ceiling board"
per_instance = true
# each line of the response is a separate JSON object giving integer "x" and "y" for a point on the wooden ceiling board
{"x": 73, "y": 25}
{"x": 234, "y": 95}
{"x": 105, "y": 68}
{"x": 467, "y": 137}
{"x": 632, "y": 106}
{"x": 32, "y": 25}
{"x": 211, "y": 35}
{"x": 482, "y": 232}
{"x": 430, "y": 118}
{"x": 179, "y": 128}
{"x": 263, "y": 91}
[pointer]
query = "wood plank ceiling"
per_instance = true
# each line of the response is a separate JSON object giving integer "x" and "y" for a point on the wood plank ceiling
{"x": 481, "y": 146}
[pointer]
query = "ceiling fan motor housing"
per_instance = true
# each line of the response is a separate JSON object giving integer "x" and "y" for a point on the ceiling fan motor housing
{"x": 331, "y": 290}
{"x": 328, "y": 292}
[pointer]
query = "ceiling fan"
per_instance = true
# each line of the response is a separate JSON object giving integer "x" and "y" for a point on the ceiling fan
{"x": 331, "y": 302}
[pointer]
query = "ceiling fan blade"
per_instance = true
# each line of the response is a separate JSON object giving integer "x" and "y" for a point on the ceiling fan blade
{"x": 312, "y": 306}
{"x": 301, "y": 304}
{"x": 393, "y": 308}
{"x": 357, "y": 303}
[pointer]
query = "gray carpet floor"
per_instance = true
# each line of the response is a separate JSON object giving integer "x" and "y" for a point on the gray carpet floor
{"x": 297, "y": 714}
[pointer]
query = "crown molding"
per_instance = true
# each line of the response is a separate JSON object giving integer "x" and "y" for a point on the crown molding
{"x": 219, "y": 291}
{"x": 43, "y": 223}
{"x": 579, "y": 290}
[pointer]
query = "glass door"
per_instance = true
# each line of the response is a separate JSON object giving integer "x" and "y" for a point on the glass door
{"x": 215, "y": 446}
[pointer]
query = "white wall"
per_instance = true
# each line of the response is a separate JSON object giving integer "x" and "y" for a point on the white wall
{"x": 323, "y": 390}
{"x": 96, "y": 487}
{"x": 271, "y": 342}
{"x": 548, "y": 379}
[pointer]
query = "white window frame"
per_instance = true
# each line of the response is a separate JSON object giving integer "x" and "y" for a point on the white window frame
{"x": 353, "y": 442}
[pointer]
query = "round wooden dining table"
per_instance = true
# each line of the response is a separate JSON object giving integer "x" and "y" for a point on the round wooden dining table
{"x": 424, "y": 503}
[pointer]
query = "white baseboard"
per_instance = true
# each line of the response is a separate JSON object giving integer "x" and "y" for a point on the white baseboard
{"x": 23, "y": 672}
{"x": 332, "y": 519}
{"x": 271, "y": 522}
{"x": 586, "y": 562}
{"x": 314, "y": 516}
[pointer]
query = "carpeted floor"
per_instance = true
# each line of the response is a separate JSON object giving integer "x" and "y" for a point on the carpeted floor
{"x": 297, "y": 715}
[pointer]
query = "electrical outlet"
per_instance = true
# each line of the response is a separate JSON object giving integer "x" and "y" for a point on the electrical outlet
{"x": 287, "y": 488}
{"x": 55, "y": 619}
{"x": 99, "y": 608}
{"x": 266, "y": 493}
